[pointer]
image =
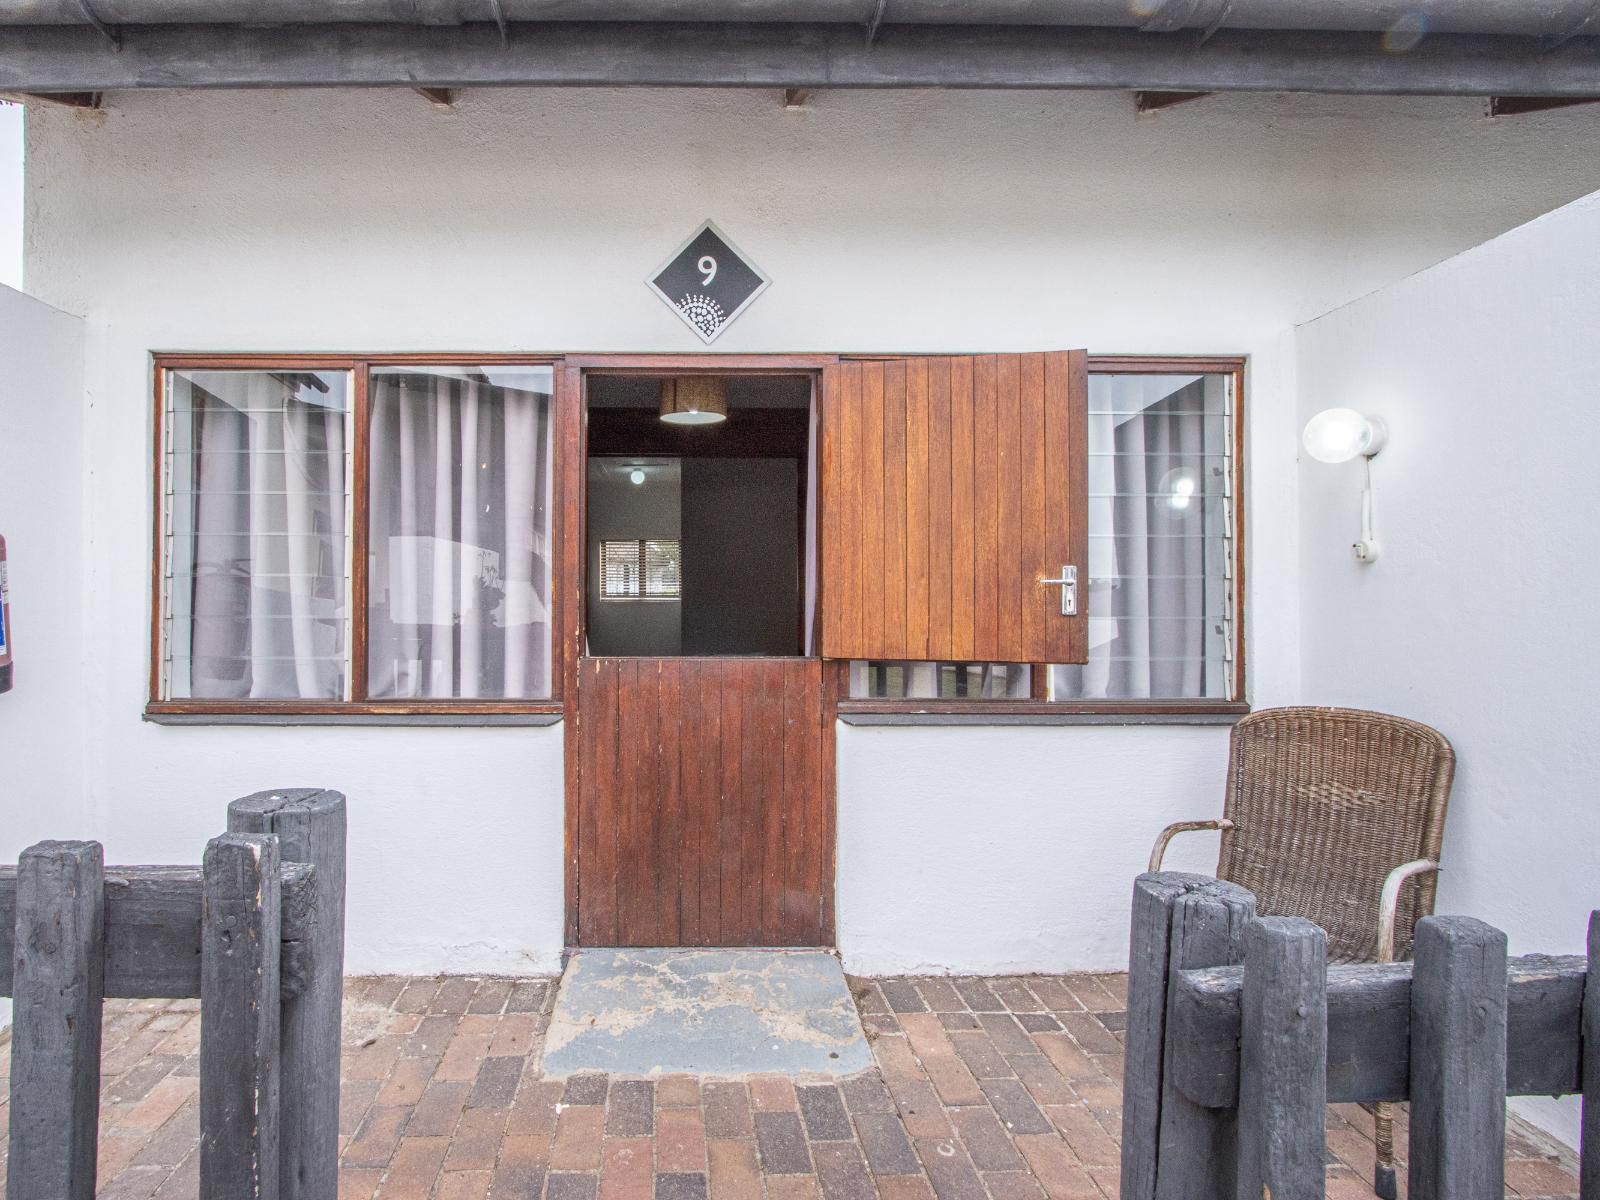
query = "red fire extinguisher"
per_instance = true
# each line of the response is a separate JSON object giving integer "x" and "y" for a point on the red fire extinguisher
{"x": 5, "y": 623}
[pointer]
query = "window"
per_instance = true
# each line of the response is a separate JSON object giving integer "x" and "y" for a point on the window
{"x": 643, "y": 569}
{"x": 256, "y": 586}
{"x": 1162, "y": 596}
{"x": 272, "y": 583}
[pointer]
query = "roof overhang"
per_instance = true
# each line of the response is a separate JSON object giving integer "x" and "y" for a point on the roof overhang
{"x": 1395, "y": 47}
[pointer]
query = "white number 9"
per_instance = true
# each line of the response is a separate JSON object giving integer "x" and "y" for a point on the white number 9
{"x": 707, "y": 267}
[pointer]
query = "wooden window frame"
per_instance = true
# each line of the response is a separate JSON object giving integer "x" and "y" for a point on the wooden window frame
{"x": 566, "y": 519}
{"x": 1120, "y": 364}
{"x": 359, "y": 704}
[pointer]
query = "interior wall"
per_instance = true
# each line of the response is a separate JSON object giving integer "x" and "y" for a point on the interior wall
{"x": 888, "y": 221}
{"x": 620, "y": 509}
{"x": 42, "y": 483}
{"x": 741, "y": 556}
{"x": 1478, "y": 618}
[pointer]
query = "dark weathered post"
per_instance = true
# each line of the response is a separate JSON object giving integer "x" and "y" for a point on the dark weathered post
{"x": 55, "y": 1040}
{"x": 1458, "y": 1061}
{"x": 1194, "y": 1156}
{"x": 1150, "y": 943}
{"x": 239, "y": 999}
{"x": 1283, "y": 1061}
{"x": 1589, "y": 1167}
{"x": 310, "y": 825}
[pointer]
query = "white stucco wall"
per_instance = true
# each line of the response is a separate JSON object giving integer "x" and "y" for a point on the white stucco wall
{"x": 1479, "y": 618}
{"x": 42, "y": 486}
{"x": 370, "y": 221}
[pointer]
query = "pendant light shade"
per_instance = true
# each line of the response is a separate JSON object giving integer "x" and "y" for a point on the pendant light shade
{"x": 694, "y": 400}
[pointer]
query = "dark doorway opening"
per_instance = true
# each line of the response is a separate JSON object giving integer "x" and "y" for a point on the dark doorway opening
{"x": 697, "y": 535}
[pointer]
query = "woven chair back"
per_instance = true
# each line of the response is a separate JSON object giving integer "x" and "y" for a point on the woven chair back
{"x": 1325, "y": 803}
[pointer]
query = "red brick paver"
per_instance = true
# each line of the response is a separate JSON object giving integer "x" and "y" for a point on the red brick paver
{"x": 984, "y": 1089}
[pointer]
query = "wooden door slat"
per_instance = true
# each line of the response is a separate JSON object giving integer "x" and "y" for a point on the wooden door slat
{"x": 754, "y": 802}
{"x": 1008, "y": 475}
{"x": 918, "y": 547}
{"x": 985, "y": 509}
{"x": 940, "y": 523}
{"x": 963, "y": 563}
{"x": 892, "y": 471}
{"x": 730, "y": 924}
{"x": 669, "y": 833}
{"x": 773, "y": 814}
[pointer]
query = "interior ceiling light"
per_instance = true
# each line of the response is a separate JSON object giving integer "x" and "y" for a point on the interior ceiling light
{"x": 636, "y": 476}
{"x": 694, "y": 400}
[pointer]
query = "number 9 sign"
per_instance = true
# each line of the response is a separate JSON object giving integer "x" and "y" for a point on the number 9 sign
{"x": 707, "y": 266}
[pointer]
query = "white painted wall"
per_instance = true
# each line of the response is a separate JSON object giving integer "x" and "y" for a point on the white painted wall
{"x": 11, "y": 116}
{"x": 1479, "y": 618}
{"x": 920, "y": 221}
{"x": 42, "y": 486}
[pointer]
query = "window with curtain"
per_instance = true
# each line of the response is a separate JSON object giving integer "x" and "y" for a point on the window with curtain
{"x": 259, "y": 580}
{"x": 459, "y": 589}
{"x": 1162, "y": 558}
{"x": 256, "y": 583}
{"x": 1161, "y": 541}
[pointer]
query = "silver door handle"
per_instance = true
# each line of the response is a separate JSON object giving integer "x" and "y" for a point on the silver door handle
{"x": 1069, "y": 589}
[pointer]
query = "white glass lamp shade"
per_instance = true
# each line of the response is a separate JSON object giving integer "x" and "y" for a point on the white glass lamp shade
{"x": 1337, "y": 435}
{"x": 694, "y": 400}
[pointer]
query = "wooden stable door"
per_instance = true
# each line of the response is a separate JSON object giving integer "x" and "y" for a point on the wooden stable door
{"x": 703, "y": 817}
{"x": 954, "y": 496}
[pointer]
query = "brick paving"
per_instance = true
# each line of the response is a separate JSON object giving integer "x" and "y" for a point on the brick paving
{"x": 985, "y": 1089}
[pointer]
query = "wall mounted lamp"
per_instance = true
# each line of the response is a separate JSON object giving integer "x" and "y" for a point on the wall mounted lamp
{"x": 1337, "y": 435}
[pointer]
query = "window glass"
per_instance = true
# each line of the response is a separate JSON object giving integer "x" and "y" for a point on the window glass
{"x": 1161, "y": 541}
{"x": 459, "y": 574}
{"x": 939, "y": 681}
{"x": 640, "y": 569}
{"x": 1161, "y": 565}
{"x": 256, "y": 581}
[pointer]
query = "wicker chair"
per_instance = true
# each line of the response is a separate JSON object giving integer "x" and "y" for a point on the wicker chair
{"x": 1329, "y": 813}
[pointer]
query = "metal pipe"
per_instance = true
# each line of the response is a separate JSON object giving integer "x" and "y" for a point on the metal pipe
{"x": 1538, "y": 18}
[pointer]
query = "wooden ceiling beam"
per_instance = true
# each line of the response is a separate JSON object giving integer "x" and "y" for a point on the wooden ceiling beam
{"x": 796, "y": 97}
{"x": 49, "y": 58}
{"x": 1149, "y": 102}
{"x": 1516, "y": 106}
{"x": 438, "y": 97}
{"x": 64, "y": 99}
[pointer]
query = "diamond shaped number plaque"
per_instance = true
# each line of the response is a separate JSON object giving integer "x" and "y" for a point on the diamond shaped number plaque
{"x": 708, "y": 282}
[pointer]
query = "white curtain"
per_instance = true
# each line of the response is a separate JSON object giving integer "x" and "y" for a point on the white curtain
{"x": 1154, "y": 498}
{"x": 459, "y": 580}
{"x": 265, "y": 563}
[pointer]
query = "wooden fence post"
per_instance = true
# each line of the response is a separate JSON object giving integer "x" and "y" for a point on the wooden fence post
{"x": 1195, "y": 1151}
{"x": 1589, "y": 1135}
{"x": 1150, "y": 943}
{"x": 1458, "y": 1061}
{"x": 55, "y": 1041}
{"x": 239, "y": 1000}
{"x": 310, "y": 825}
{"x": 1283, "y": 1061}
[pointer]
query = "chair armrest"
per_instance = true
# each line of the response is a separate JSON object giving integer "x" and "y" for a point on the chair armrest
{"x": 1389, "y": 902}
{"x": 1177, "y": 827}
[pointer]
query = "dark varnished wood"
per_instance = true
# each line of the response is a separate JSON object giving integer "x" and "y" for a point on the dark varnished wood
{"x": 965, "y": 529}
{"x": 747, "y": 433}
{"x": 704, "y": 809}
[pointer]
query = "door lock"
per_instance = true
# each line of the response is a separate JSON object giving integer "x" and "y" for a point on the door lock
{"x": 1069, "y": 589}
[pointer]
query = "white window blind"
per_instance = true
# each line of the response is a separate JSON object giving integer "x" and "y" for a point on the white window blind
{"x": 640, "y": 569}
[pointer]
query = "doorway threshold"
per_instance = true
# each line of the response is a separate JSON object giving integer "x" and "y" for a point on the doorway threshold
{"x": 720, "y": 1013}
